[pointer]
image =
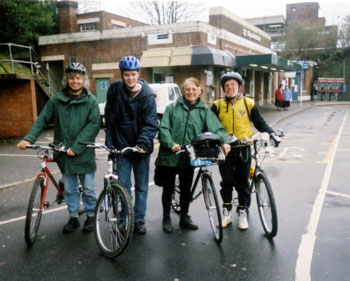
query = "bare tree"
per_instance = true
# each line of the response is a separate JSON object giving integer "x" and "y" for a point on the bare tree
{"x": 302, "y": 41}
{"x": 166, "y": 12}
{"x": 344, "y": 33}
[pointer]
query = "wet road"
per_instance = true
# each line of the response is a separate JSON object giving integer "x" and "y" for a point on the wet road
{"x": 310, "y": 178}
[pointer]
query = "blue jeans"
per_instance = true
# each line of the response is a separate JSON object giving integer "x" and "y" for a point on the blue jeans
{"x": 140, "y": 167}
{"x": 72, "y": 193}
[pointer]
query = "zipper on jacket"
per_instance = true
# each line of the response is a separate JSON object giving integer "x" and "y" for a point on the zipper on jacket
{"x": 188, "y": 117}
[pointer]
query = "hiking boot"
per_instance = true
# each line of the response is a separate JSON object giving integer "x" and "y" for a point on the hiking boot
{"x": 226, "y": 217}
{"x": 167, "y": 227}
{"x": 72, "y": 225}
{"x": 89, "y": 225}
{"x": 186, "y": 222}
{"x": 242, "y": 220}
{"x": 140, "y": 227}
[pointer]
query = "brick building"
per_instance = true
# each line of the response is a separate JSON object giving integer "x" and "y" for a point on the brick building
{"x": 168, "y": 53}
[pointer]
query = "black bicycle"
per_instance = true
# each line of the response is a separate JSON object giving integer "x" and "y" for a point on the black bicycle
{"x": 259, "y": 182}
{"x": 211, "y": 200}
{"x": 114, "y": 214}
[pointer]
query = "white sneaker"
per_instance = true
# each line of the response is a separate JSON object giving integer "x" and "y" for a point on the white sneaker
{"x": 242, "y": 220}
{"x": 226, "y": 217}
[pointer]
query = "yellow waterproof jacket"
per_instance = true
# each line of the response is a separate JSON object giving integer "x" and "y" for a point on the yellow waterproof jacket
{"x": 235, "y": 118}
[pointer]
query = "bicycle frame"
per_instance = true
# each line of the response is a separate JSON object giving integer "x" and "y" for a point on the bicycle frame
{"x": 202, "y": 171}
{"x": 47, "y": 175}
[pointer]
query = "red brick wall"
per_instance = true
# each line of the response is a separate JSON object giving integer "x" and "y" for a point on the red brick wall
{"x": 106, "y": 19}
{"x": 17, "y": 107}
{"x": 67, "y": 17}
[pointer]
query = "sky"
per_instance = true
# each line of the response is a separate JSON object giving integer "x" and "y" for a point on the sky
{"x": 333, "y": 10}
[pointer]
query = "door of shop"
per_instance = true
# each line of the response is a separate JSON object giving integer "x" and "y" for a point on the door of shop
{"x": 102, "y": 85}
{"x": 296, "y": 87}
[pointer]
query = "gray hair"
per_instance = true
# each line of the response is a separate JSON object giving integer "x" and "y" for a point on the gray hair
{"x": 86, "y": 81}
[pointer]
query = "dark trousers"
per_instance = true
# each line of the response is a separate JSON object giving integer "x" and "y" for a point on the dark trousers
{"x": 185, "y": 177}
{"x": 234, "y": 173}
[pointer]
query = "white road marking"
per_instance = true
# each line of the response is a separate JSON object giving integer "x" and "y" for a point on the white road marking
{"x": 338, "y": 194}
{"x": 24, "y": 217}
{"x": 50, "y": 211}
{"x": 306, "y": 247}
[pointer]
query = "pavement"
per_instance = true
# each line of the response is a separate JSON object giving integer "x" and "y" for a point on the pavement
{"x": 272, "y": 116}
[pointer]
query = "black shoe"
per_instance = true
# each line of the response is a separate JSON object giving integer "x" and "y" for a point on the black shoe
{"x": 186, "y": 222}
{"x": 167, "y": 227}
{"x": 89, "y": 225}
{"x": 140, "y": 227}
{"x": 72, "y": 225}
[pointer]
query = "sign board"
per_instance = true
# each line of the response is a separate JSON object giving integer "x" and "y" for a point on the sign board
{"x": 211, "y": 39}
{"x": 103, "y": 85}
{"x": 160, "y": 38}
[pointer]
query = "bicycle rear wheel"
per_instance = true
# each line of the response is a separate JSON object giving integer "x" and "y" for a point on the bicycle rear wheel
{"x": 266, "y": 205}
{"x": 34, "y": 213}
{"x": 213, "y": 208}
{"x": 114, "y": 221}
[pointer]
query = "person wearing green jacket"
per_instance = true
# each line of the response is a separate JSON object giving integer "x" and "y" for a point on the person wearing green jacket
{"x": 181, "y": 122}
{"x": 75, "y": 115}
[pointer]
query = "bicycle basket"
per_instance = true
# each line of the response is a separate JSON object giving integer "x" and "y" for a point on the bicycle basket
{"x": 206, "y": 145}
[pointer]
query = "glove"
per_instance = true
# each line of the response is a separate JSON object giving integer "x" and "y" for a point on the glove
{"x": 276, "y": 139}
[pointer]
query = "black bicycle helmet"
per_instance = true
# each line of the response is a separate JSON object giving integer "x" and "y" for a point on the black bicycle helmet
{"x": 231, "y": 75}
{"x": 206, "y": 145}
{"x": 76, "y": 67}
{"x": 129, "y": 63}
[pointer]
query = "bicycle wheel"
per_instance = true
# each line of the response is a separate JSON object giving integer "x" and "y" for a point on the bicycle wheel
{"x": 175, "y": 203}
{"x": 213, "y": 208}
{"x": 114, "y": 221}
{"x": 34, "y": 213}
{"x": 266, "y": 205}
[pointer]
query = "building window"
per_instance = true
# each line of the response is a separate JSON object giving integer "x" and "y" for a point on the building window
{"x": 72, "y": 59}
{"x": 88, "y": 26}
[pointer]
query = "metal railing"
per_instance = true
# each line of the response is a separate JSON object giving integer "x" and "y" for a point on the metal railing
{"x": 23, "y": 58}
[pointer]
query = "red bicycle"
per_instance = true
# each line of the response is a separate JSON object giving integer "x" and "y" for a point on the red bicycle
{"x": 37, "y": 198}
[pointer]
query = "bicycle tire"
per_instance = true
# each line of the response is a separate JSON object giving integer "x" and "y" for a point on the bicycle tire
{"x": 266, "y": 204}
{"x": 213, "y": 208}
{"x": 33, "y": 217}
{"x": 114, "y": 221}
{"x": 175, "y": 202}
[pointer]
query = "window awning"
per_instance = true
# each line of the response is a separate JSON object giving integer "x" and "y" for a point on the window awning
{"x": 269, "y": 62}
{"x": 188, "y": 55}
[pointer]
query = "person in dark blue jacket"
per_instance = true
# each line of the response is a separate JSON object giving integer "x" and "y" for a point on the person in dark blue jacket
{"x": 131, "y": 120}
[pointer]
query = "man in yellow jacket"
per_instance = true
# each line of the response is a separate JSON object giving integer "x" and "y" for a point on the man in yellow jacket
{"x": 236, "y": 113}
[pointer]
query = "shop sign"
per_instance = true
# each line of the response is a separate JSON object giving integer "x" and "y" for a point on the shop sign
{"x": 246, "y": 33}
{"x": 160, "y": 38}
{"x": 211, "y": 39}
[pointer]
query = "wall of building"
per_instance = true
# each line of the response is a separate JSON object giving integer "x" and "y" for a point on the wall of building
{"x": 18, "y": 106}
{"x": 303, "y": 12}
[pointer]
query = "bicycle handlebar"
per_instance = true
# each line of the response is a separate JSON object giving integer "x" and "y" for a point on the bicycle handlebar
{"x": 51, "y": 146}
{"x": 235, "y": 142}
{"x": 122, "y": 152}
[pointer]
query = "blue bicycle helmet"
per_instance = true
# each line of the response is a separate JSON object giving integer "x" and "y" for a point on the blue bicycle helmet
{"x": 76, "y": 67}
{"x": 129, "y": 63}
{"x": 231, "y": 75}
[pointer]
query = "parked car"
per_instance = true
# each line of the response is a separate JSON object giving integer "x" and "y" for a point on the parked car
{"x": 102, "y": 106}
{"x": 166, "y": 93}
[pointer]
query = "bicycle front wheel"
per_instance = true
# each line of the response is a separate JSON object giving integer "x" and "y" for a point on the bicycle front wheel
{"x": 213, "y": 208}
{"x": 33, "y": 217}
{"x": 266, "y": 205}
{"x": 114, "y": 221}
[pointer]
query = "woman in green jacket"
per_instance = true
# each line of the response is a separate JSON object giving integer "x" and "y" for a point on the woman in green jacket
{"x": 181, "y": 122}
{"x": 75, "y": 115}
